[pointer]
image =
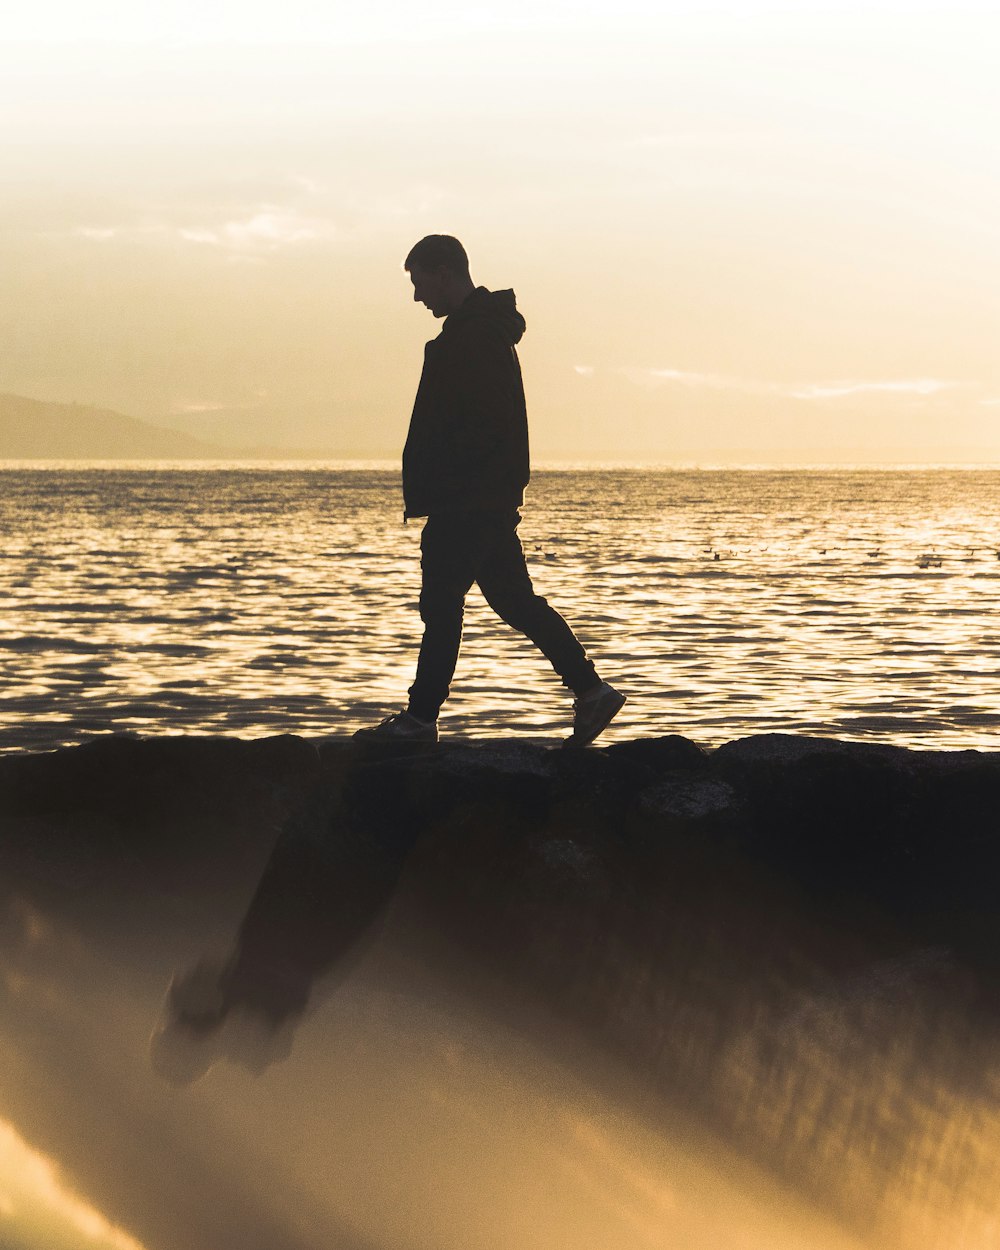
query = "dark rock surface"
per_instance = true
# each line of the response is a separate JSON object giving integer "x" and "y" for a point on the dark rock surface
{"x": 797, "y": 939}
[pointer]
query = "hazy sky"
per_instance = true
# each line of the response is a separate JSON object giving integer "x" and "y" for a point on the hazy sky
{"x": 746, "y": 229}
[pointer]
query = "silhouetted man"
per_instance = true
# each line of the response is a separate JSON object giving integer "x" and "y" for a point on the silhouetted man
{"x": 465, "y": 467}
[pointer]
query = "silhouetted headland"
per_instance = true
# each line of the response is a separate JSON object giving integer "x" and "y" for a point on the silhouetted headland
{"x": 796, "y": 939}
{"x": 35, "y": 430}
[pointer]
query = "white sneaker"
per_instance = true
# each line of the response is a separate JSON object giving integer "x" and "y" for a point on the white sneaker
{"x": 402, "y": 726}
{"x": 593, "y": 712}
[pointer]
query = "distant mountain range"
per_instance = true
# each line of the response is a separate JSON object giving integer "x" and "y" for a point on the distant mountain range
{"x": 31, "y": 429}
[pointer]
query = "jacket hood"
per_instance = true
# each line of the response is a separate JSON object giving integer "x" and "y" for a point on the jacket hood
{"x": 499, "y": 307}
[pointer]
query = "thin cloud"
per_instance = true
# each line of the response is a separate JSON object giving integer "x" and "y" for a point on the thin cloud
{"x": 203, "y": 405}
{"x": 684, "y": 377}
{"x": 105, "y": 233}
{"x": 264, "y": 228}
{"x": 196, "y": 406}
{"x": 810, "y": 391}
{"x": 898, "y": 386}
{"x": 99, "y": 234}
{"x": 694, "y": 379}
{"x": 268, "y": 228}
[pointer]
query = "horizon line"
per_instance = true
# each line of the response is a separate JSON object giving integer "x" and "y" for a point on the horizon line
{"x": 383, "y": 464}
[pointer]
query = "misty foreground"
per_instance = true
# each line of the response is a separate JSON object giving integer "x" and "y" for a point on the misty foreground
{"x": 513, "y": 997}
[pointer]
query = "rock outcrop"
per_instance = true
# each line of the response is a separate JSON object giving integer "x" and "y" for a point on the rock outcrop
{"x": 797, "y": 939}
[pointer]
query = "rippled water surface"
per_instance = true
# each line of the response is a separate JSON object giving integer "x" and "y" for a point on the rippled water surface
{"x": 262, "y": 600}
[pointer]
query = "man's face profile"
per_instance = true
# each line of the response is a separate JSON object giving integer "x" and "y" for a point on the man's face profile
{"x": 428, "y": 289}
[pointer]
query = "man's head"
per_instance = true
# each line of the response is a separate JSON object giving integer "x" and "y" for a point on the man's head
{"x": 439, "y": 270}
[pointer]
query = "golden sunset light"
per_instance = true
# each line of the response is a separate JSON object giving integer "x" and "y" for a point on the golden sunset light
{"x": 498, "y": 652}
{"x": 38, "y": 1209}
{"x": 741, "y": 231}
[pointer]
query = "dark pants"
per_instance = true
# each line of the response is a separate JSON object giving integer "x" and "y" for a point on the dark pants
{"x": 458, "y": 549}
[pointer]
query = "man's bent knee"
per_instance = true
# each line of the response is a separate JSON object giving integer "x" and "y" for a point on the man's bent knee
{"x": 521, "y": 611}
{"x": 440, "y": 604}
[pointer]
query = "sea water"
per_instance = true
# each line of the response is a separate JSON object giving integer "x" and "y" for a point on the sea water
{"x": 273, "y": 598}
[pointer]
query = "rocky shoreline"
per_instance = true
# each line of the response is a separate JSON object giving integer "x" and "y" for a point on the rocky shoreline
{"x": 795, "y": 938}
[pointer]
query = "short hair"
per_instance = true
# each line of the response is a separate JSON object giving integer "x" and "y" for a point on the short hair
{"x": 438, "y": 251}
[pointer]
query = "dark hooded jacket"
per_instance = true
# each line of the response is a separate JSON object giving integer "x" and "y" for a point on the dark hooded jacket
{"x": 467, "y": 446}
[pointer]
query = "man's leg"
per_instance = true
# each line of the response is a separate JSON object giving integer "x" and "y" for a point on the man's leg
{"x": 504, "y": 580}
{"x": 450, "y": 550}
